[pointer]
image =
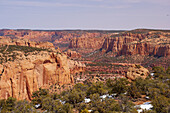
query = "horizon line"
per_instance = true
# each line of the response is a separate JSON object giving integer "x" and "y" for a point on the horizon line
{"x": 81, "y": 29}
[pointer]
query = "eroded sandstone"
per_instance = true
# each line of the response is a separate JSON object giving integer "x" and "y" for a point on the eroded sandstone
{"x": 25, "y": 75}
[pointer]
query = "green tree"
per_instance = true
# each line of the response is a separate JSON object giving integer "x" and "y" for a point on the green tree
{"x": 10, "y": 103}
{"x": 120, "y": 86}
{"x": 133, "y": 91}
{"x": 68, "y": 108}
{"x": 105, "y": 106}
{"x": 39, "y": 95}
{"x": 74, "y": 97}
{"x": 158, "y": 71}
{"x": 3, "y": 106}
{"x": 112, "y": 105}
{"x": 23, "y": 106}
{"x": 82, "y": 106}
{"x": 98, "y": 87}
{"x": 80, "y": 87}
{"x": 160, "y": 104}
{"x": 51, "y": 105}
{"x": 125, "y": 104}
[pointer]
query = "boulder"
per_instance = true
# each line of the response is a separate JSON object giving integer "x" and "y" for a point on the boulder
{"x": 136, "y": 71}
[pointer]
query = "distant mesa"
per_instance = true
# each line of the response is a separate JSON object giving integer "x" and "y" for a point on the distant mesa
{"x": 138, "y": 41}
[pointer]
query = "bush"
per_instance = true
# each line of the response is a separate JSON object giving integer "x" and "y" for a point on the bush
{"x": 98, "y": 87}
{"x": 39, "y": 95}
{"x": 10, "y": 103}
{"x": 160, "y": 104}
{"x": 51, "y": 105}
{"x": 158, "y": 71}
{"x": 120, "y": 86}
{"x": 23, "y": 106}
{"x": 133, "y": 91}
{"x": 74, "y": 97}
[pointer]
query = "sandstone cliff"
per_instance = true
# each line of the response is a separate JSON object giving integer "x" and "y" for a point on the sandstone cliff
{"x": 58, "y": 38}
{"x": 143, "y": 44}
{"x": 94, "y": 43}
{"x": 116, "y": 44}
{"x": 140, "y": 41}
{"x": 27, "y": 74}
{"x": 73, "y": 54}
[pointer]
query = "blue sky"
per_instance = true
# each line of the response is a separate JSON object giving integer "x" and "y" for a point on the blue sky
{"x": 84, "y": 14}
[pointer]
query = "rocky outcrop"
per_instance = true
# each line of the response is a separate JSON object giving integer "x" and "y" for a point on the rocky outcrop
{"x": 116, "y": 44}
{"x": 27, "y": 74}
{"x": 26, "y": 42}
{"x": 145, "y": 49}
{"x": 60, "y": 38}
{"x": 136, "y": 71}
{"x": 94, "y": 43}
{"x": 73, "y": 54}
{"x": 140, "y": 41}
{"x": 150, "y": 43}
{"x": 76, "y": 66}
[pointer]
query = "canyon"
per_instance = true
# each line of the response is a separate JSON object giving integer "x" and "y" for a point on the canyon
{"x": 139, "y": 41}
{"x": 66, "y": 57}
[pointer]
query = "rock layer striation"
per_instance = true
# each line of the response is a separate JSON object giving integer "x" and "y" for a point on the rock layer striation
{"x": 23, "y": 76}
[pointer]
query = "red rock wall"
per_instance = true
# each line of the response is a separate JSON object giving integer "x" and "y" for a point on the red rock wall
{"x": 94, "y": 43}
{"x": 22, "y": 77}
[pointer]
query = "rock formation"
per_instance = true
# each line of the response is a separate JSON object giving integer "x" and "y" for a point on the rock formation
{"x": 145, "y": 49}
{"x": 26, "y": 42}
{"x": 140, "y": 41}
{"x": 94, "y": 43}
{"x": 57, "y": 37}
{"x": 142, "y": 44}
{"x": 116, "y": 44}
{"x": 156, "y": 43}
{"x": 27, "y": 74}
{"x": 136, "y": 71}
{"x": 73, "y": 54}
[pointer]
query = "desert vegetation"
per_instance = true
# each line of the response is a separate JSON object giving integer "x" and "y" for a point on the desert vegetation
{"x": 10, "y": 52}
{"x": 118, "y": 95}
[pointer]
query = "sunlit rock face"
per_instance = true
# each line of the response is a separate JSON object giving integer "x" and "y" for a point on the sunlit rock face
{"x": 21, "y": 77}
{"x": 136, "y": 71}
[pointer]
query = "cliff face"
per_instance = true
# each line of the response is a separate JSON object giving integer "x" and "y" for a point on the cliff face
{"x": 135, "y": 42}
{"x": 58, "y": 38}
{"x": 145, "y": 49}
{"x": 142, "y": 44}
{"x": 87, "y": 43}
{"x": 23, "y": 76}
{"x": 116, "y": 44}
{"x": 129, "y": 46}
